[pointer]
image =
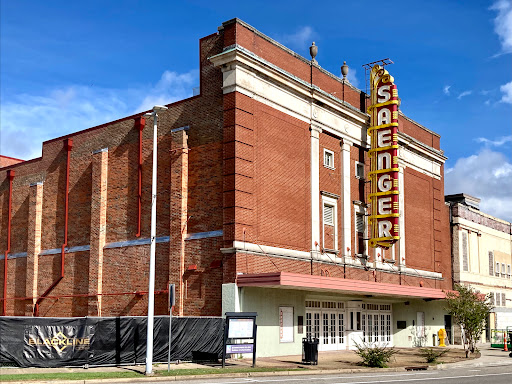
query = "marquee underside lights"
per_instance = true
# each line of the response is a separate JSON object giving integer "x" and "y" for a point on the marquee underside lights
{"x": 384, "y": 227}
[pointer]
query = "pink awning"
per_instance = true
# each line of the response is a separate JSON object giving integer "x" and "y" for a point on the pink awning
{"x": 334, "y": 284}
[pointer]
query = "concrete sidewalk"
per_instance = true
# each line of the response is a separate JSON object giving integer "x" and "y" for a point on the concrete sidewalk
{"x": 488, "y": 357}
{"x": 329, "y": 362}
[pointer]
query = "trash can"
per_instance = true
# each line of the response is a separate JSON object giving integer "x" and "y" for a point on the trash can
{"x": 310, "y": 351}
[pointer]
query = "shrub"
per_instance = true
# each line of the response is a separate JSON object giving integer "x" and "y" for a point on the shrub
{"x": 373, "y": 355}
{"x": 431, "y": 355}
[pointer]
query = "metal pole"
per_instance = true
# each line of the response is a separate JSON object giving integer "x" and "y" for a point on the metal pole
{"x": 151, "y": 294}
{"x": 170, "y": 339}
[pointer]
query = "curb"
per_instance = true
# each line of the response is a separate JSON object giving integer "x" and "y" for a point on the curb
{"x": 224, "y": 375}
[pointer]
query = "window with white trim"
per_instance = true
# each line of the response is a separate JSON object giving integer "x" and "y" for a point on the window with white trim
{"x": 330, "y": 224}
{"x": 491, "y": 263}
{"x": 359, "y": 170}
{"x": 508, "y": 271}
{"x": 503, "y": 271}
{"x": 497, "y": 271}
{"x": 328, "y": 159}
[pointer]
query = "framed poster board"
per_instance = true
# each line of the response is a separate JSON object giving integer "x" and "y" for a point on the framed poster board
{"x": 240, "y": 328}
{"x": 286, "y": 324}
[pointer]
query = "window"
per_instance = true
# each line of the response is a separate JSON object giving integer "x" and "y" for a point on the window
{"x": 498, "y": 299}
{"x": 503, "y": 272}
{"x": 328, "y": 215}
{"x": 465, "y": 266}
{"x": 330, "y": 224}
{"x": 359, "y": 170}
{"x": 491, "y": 264}
{"x": 491, "y": 298}
{"x": 328, "y": 159}
{"x": 497, "y": 272}
{"x": 360, "y": 227}
{"x": 508, "y": 271}
{"x": 503, "y": 300}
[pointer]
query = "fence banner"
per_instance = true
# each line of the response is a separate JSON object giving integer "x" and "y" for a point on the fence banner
{"x": 59, "y": 342}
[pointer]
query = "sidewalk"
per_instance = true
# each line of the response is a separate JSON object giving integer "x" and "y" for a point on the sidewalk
{"x": 489, "y": 357}
{"x": 329, "y": 362}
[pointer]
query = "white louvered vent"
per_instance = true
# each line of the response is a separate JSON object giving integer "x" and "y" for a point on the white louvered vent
{"x": 360, "y": 223}
{"x": 328, "y": 215}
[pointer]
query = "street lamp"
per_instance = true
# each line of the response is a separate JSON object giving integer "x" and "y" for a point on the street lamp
{"x": 151, "y": 290}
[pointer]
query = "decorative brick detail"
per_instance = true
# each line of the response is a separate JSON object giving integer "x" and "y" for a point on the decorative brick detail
{"x": 33, "y": 244}
{"x": 178, "y": 215}
{"x": 98, "y": 230}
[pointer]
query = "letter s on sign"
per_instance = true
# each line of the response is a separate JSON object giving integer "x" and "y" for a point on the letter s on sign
{"x": 383, "y": 93}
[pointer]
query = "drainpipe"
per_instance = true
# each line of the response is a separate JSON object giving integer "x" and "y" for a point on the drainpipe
{"x": 141, "y": 123}
{"x": 68, "y": 144}
{"x": 10, "y": 176}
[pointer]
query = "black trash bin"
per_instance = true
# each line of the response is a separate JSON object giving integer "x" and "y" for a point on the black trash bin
{"x": 310, "y": 351}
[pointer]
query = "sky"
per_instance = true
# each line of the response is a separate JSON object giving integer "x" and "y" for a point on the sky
{"x": 67, "y": 66}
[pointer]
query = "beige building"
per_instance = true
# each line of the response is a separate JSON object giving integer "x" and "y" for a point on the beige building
{"x": 482, "y": 257}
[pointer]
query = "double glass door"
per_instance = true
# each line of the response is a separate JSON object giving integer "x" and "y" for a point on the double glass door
{"x": 377, "y": 328}
{"x": 328, "y": 327}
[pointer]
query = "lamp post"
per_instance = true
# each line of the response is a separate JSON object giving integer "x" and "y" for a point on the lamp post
{"x": 151, "y": 290}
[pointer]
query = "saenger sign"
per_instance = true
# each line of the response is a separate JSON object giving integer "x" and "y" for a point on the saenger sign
{"x": 383, "y": 159}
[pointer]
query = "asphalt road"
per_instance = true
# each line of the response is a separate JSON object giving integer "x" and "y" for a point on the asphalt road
{"x": 469, "y": 375}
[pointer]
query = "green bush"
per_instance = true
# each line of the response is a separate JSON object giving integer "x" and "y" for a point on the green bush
{"x": 373, "y": 355}
{"x": 431, "y": 355}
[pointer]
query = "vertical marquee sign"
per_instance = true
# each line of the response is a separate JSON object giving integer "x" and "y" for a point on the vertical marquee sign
{"x": 383, "y": 159}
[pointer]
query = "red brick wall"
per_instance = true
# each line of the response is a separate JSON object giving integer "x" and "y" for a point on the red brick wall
{"x": 236, "y": 33}
{"x": 5, "y": 161}
{"x": 124, "y": 269}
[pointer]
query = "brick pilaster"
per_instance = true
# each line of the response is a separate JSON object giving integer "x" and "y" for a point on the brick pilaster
{"x": 178, "y": 214}
{"x": 98, "y": 229}
{"x": 35, "y": 215}
{"x": 238, "y": 175}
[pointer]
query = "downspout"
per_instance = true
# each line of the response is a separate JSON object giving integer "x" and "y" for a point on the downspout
{"x": 141, "y": 123}
{"x": 10, "y": 176}
{"x": 68, "y": 144}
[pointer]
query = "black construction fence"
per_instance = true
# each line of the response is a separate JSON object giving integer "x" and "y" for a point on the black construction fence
{"x": 92, "y": 341}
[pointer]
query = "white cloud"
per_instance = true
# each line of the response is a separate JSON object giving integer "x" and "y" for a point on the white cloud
{"x": 495, "y": 143}
{"x": 28, "y": 120}
{"x": 464, "y": 94}
{"x": 351, "y": 77}
{"x": 446, "y": 89}
{"x": 301, "y": 39}
{"x": 507, "y": 93}
{"x": 503, "y": 24}
{"x": 487, "y": 102}
{"x": 171, "y": 87}
{"x": 486, "y": 175}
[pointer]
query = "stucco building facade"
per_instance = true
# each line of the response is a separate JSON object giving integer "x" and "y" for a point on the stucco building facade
{"x": 482, "y": 257}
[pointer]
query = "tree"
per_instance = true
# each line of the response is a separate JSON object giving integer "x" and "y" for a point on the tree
{"x": 469, "y": 310}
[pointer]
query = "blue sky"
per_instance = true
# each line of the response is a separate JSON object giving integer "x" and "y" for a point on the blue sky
{"x": 67, "y": 66}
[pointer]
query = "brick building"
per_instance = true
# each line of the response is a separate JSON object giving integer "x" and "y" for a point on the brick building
{"x": 262, "y": 206}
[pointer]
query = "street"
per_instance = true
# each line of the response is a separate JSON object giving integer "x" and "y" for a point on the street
{"x": 501, "y": 374}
